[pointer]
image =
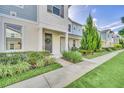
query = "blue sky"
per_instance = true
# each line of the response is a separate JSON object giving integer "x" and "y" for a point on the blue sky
{"x": 102, "y": 14}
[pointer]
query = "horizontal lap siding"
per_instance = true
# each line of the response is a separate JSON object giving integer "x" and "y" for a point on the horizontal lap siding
{"x": 29, "y": 12}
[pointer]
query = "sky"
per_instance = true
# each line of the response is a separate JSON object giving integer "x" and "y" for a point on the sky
{"x": 102, "y": 14}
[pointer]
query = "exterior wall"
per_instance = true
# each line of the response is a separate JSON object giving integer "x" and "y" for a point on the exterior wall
{"x": 33, "y": 34}
{"x": 116, "y": 39}
{"x": 76, "y": 29}
{"x": 21, "y": 12}
{"x": 109, "y": 39}
{"x": 52, "y": 21}
{"x": 77, "y": 43}
{"x": 29, "y": 34}
{"x": 103, "y": 36}
{"x": 54, "y": 24}
{"x": 1, "y": 35}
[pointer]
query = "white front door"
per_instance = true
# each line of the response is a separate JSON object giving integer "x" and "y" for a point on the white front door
{"x": 62, "y": 44}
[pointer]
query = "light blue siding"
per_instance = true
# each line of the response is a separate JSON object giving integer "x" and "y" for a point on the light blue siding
{"x": 103, "y": 35}
{"x": 76, "y": 29}
{"x": 29, "y": 12}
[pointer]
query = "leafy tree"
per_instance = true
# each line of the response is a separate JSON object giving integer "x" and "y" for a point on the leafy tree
{"x": 121, "y": 41}
{"x": 90, "y": 38}
{"x": 121, "y": 32}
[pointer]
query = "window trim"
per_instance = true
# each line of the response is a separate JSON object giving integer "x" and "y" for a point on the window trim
{"x": 22, "y": 37}
{"x": 60, "y": 9}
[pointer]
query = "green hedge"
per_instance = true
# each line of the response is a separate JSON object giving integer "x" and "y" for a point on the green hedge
{"x": 86, "y": 52}
{"x": 14, "y": 57}
{"x": 118, "y": 46}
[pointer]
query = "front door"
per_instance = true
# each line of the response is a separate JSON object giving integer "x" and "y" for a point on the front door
{"x": 48, "y": 42}
{"x": 62, "y": 44}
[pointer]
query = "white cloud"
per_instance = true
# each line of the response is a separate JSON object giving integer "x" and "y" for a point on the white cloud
{"x": 94, "y": 10}
{"x": 94, "y": 20}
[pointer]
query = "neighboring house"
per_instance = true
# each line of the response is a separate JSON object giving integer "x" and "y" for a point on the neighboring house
{"x": 37, "y": 28}
{"x": 108, "y": 38}
{"x": 116, "y": 38}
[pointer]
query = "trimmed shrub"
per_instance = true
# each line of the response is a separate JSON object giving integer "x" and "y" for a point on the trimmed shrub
{"x": 19, "y": 62}
{"x": 86, "y": 52}
{"x": 72, "y": 56}
{"x": 15, "y": 57}
{"x": 118, "y": 46}
{"x": 40, "y": 63}
{"x": 12, "y": 69}
{"x": 48, "y": 60}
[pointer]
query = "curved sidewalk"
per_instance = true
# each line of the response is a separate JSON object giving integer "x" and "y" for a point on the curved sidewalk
{"x": 62, "y": 77}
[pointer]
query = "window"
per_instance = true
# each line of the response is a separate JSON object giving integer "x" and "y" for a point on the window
{"x": 12, "y": 13}
{"x": 56, "y": 9}
{"x": 49, "y": 8}
{"x": 74, "y": 27}
{"x": 13, "y": 34}
{"x": 69, "y": 27}
{"x": 11, "y": 46}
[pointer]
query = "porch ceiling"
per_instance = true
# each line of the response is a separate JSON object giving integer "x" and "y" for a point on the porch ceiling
{"x": 52, "y": 30}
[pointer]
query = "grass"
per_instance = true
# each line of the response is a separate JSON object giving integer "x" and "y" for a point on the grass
{"x": 26, "y": 75}
{"x": 108, "y": 75}
{"x": 96, "y": 54}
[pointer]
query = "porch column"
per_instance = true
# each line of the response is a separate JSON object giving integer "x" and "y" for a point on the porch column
{"x": 66, "y": 41}
{"x": 40, "y": 39}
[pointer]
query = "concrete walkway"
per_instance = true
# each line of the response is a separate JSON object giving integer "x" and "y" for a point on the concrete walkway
{"x": 63, "y": 62}
{"x": 64, "y": 76}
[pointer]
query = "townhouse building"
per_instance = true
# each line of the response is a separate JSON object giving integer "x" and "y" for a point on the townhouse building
{"x": 109, "y": 38}
{"x": 38, "y": 28}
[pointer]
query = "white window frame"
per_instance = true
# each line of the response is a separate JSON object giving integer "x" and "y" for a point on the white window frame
{"x": 57, "y": 8}
{"x": 22, "y": 38}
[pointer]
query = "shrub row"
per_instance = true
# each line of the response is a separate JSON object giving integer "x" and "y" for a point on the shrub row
{"x": 73, "y": 56}
{"x": 14, "y": 57}
{"x": 14, "y": 63}
{"x": 108, "y": 49}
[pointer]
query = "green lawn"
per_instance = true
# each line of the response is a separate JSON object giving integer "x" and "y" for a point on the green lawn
{"x": 96, "y": 54}
{"x": 26, "y": 75}
{"x": 110, "y": 74}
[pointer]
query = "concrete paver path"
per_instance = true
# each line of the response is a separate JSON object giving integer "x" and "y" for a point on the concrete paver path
{"x": 63, "y": 62}
{"x": 65, "y": 75}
